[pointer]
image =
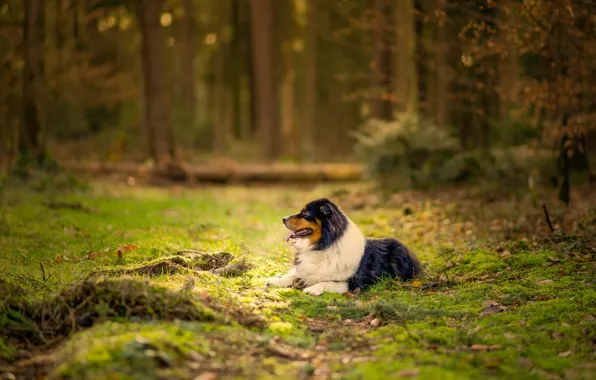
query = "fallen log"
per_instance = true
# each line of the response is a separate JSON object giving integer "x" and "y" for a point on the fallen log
{"x": 278, "y": 172}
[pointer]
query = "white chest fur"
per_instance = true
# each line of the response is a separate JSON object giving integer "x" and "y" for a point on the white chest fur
{"x": 337, "y": 263}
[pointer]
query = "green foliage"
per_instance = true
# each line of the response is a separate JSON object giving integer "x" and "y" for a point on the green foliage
{"x": 404, "y": 153}
{"x": 413, "y": 153}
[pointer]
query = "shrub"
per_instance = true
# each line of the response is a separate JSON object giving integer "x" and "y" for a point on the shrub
{"x": 411, "y": 152}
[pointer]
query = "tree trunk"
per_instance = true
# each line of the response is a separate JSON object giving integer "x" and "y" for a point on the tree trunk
{"x": 222, "y": 111}
{"x": 381, "y": 105}
{"x": 508, "y": 63}
{"x": 311, "y": 93}
{"x": 442, "y": 71}
{"x": 264, "y": 94}
{"x": 563, "y": 164}
{"x": 236, "y": 68}
{"x": 406, "y": 73}
{"x": 31, "y": 143}
{"x": 187, "y": 65}
{"x": 288, "y": 117}
{"x": 158, "y": 124}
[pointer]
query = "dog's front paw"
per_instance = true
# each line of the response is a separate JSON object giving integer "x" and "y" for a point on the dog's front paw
{"x": 278, "y": 282}
{"x": 315, "y": 290}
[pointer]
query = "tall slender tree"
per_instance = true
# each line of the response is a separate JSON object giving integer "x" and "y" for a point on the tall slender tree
{"x": 406, "y": 72}
{"x": 264, "y": 95}
{"x": 157, "y": 105}
{"x": 188, "y": 32}
{"x": 382, "y": 105}
{"x": 311, "y": 92}
{"x": 31, "y": 142}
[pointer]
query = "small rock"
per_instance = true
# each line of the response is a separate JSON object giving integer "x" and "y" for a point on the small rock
{"x": 375, "y": 322}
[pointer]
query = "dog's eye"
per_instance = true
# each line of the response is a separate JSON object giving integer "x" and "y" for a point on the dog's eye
{"x": 304, "y": 215}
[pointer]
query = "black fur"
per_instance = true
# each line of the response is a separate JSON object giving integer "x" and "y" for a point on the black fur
{"x": 383, "y": 258}
{"x": 333, "y": 221}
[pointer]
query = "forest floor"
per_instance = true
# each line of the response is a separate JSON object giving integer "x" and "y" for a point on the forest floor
{"x": 117, "y": 281}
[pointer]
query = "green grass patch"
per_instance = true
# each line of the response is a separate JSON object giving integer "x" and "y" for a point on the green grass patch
{"x": 497, "y": 299}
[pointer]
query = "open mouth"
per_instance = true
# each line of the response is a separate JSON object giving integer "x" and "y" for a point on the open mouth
{"x": 303, "y": 232}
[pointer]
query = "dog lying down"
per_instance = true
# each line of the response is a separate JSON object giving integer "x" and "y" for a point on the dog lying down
{"x": 332, "y": 255}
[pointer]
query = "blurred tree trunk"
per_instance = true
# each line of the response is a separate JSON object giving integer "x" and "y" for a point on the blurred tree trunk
{"x": 288, "y": 115}
{"x": 422, "y": 35}
{"x": 442, "y": 68}
{"x": 563, "y": 162}
{"x": 264, "y": 94}
{"x": 382, "y": 105}
{"x": 237, "y": 69}
{"x": 508, "y": 63}
{"x": 406, "y": 72}
{"x": 311, "y": 95}
{"x": 158, "y": 124}
{"x": 187, "y": 65}
{"x": 31, "y": 142}
{"x": 223, "y": 82}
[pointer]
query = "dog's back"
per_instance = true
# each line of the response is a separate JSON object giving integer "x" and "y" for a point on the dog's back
{"x": 384, "y": 258}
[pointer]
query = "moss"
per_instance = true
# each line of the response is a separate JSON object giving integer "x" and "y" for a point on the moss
{"x": 134, "y": 351}
{"x": 442, "y": 327}
{"x": 83, "y": 304}
{"x": 6, "y": 350}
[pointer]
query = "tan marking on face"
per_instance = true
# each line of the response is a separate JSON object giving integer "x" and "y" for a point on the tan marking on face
{"x": 297, "y": 223}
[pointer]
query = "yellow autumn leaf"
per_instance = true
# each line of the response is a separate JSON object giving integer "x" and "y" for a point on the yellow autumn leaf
{"x": 416, "y": 284}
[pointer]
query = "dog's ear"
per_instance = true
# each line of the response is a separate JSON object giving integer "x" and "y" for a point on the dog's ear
{"x": 326, "y": 210}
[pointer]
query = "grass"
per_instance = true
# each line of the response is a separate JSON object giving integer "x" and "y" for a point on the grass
{"x": 104, "y": 291}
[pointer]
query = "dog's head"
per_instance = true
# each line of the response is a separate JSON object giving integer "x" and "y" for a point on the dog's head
{"x": 320, "y": 221}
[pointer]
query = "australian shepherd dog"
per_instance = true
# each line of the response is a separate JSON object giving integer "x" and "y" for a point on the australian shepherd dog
{"x": 332, "y": 255}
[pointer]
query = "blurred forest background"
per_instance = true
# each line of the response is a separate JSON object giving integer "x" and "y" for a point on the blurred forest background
{"x": 423, "y": 92}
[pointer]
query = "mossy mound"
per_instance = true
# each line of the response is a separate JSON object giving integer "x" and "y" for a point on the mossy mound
{"x": 132, "y": 350}
{"x": 81, "y": 305}
{"x": 219, "y": 263}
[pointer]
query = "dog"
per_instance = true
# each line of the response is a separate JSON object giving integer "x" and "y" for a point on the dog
{"x": 332, "y": 255}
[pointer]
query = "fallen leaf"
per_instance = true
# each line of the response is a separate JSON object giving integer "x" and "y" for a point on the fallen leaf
{"x": 505, "y": 254}
{"x": 277, "y": 348}
{"x": 544, "y": 282}
{"x": 491, "y": 310}
{"x": 411, "y": 372}
{"x": 484, "y": 347}
{"x": 123, "y": 248}
{"x": 416, "y": 284}
{"x": 565, "y": 354}
{"x": 557, "y": 335}
{"x": 206, "y": 376}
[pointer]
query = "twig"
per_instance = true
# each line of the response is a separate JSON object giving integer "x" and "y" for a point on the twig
{"x": 547, "y": 217}
{"x": 71, "y": 206}
{"x": 190, "y": 251}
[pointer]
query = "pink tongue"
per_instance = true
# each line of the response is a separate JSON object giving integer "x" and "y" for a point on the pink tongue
{"x": 289, "y": 236}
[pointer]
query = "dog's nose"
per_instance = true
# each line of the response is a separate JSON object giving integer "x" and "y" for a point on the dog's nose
{"x": 285, "y": 219}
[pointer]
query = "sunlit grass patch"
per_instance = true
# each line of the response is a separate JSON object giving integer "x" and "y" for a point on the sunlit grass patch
{"x": 485, "y": 306}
